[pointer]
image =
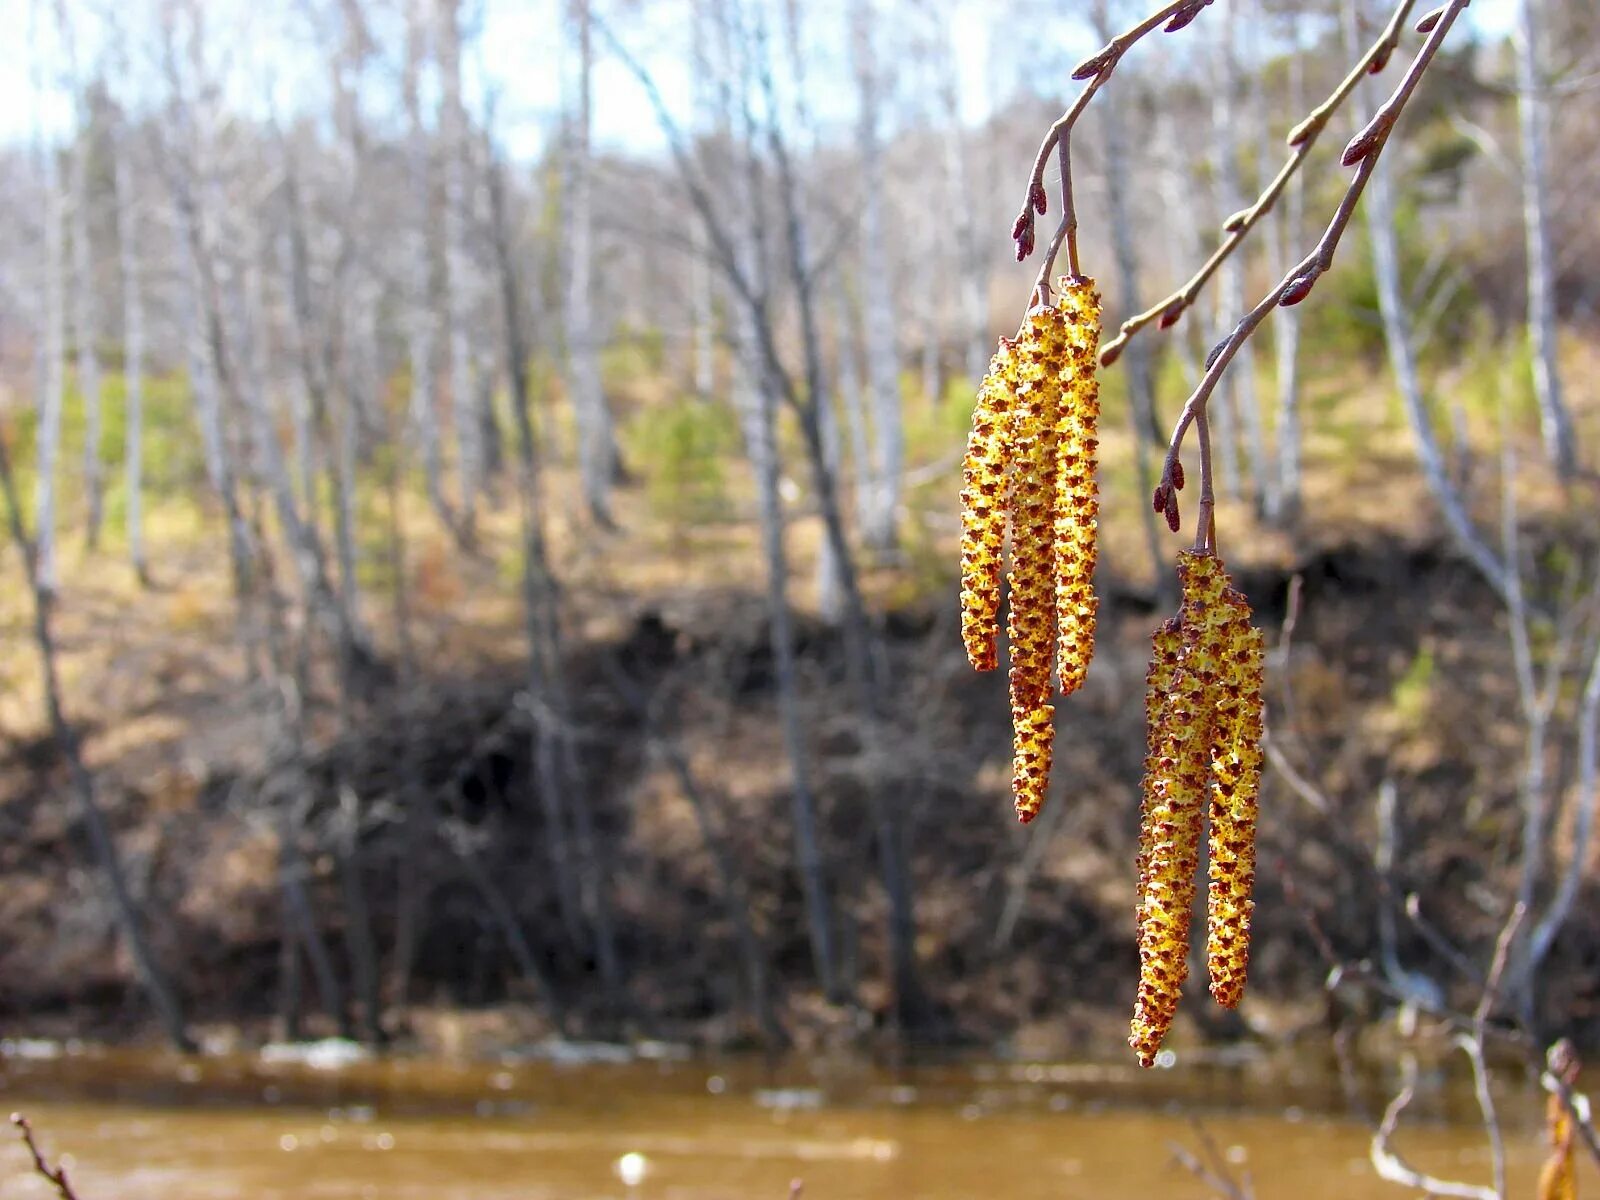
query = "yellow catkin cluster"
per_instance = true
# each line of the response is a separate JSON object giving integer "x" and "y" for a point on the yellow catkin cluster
{"x": 983, "y": 508}
{"x": 1030, "y": 469}
{"x": 1203, "y": 707}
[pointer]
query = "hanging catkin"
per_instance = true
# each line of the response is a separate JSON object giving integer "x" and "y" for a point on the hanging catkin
{"x": 1203, "y": 709}
{"x": 1030, "y": 470}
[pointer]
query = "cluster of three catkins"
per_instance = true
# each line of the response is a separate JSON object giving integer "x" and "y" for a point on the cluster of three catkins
{"x": 1030, "y": 466}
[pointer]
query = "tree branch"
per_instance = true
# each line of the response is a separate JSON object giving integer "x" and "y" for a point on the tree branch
{"x": 1095, "y": 69}
{"x": 1362, "y": 152}
{"x": 1302, "y": 138}
{"x": 57, "y": 1176}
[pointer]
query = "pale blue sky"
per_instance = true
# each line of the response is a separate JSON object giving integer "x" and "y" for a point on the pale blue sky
{"x": 517, "y": 54}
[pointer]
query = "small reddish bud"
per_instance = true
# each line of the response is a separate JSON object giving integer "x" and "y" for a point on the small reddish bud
{"x": 1038, "y": 198}
{"x": 1177, "y": 474}
{"x": 1380, "y": 60}
{"x": 1093, "y": 65}
{"x": 1429, "y": 20}
{"x": 1158, "y": 502}
{"x": 1298, "y": 289}
{"x": 1173, "y": 522}
{"x": 1111, "y": 353}
{"x": 1185, "y": 14}
{"x": 1171, "y": 313}
{"x": 1022, "y": 234}
{"x": 1363, "y": 143}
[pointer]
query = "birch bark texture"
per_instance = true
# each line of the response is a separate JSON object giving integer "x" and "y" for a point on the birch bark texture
{"x": 1533, "y": 122}
{"x": 597, "y": 451}
{"x": 880, "y": 533}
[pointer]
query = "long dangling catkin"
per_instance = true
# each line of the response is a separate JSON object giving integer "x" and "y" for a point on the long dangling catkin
{"x": 1077, "y": 506}
{"x": 1235, "y": 787}
{"x": 983, "y": 508}
{"x": 1174, "y": 791}
{"x": 1030, "y": 470}
{"x": 1035, "y": 434}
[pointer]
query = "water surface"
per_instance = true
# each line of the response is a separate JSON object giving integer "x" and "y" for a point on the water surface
{"x": 661, "y": 1126}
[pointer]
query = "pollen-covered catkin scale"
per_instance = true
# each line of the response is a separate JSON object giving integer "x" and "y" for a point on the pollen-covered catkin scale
{"x": 983, "y": 508}
{"x": 1033, "y": 736}
{"x": 1075, "y": 340}
{"x": 1034, "y": 438}
{"x": 1174, "y": 792}
{"x": 1235, "y": 788}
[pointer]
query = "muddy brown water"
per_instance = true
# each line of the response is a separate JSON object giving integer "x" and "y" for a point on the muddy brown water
{"x": 665, "y": 1126}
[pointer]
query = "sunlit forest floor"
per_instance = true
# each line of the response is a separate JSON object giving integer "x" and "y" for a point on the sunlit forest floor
{"x": 1398, "y": 671}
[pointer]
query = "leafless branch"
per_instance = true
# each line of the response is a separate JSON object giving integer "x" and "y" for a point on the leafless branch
{"x": 1209, "y": 1167}
{"x": 57, "y": 1176}
{"x": 1237, "y": 227}
{"x": 1362, "y": 152}
{"x": 1392, "y": 1167}
{"x": 1094, "y": 70}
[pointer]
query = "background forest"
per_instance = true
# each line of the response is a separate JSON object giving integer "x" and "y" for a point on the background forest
{"x": 483, "y": 484}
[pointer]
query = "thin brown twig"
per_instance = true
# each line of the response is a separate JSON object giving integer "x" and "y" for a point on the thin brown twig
{"x": 1212, "y": 1169}
{"x": 1095, "y": 70}
{"x": 57, "y": 1176}
{"x": 1363, "y": 152}
{"x": 1237, "y": 227}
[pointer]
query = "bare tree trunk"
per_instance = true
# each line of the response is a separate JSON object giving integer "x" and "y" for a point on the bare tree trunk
{"x": 362, "y": 950}
{"x": 127, "y": 214}
{"x": 971, "y": 277}
{"x": 421, "y": 326}
{"x": 1378, "y": 202}
{"x": 1141, "y": 385}
{"x": 583, "y": 881}
{"x": 86, "y": 329}
{"x": 880, "y": 530}
{"x": 129, "y": 923}
{"x": 1240, "y": 411}
{"x": 459, "y": 283}
{"x": 851, "y": 400}
{"x": 1555, "y": 422}
{"x": 289, "y": 982}
{"x": 597, "y": 451}
{"x": 292, "y": 875}
{"x": 52, "y": 383}
{"x": 1283, "y": 234}
{"x": 757, "y": 402}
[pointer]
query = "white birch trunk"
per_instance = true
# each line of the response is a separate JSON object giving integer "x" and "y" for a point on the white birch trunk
{"x": 597, "y": 454}
{"x": 1283, "y": 236}
{"x": 420, "y": 326}
{"x": 1378, "y": 203}
{"x": 1555, "y": 423}
{"x": 52, "y": 381}
{"x": 127, "y": 216}
{"x": 86, "y": 330}
{"x": 459, "y": 284}
{"x": 1240, "y": 411}
{"x": 880, "y": 529}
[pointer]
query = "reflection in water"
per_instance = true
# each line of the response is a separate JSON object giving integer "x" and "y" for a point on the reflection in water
{"x": 139, "y": 1127}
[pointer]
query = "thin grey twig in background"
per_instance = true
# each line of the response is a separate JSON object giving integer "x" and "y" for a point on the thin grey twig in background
{"x": 1392, "y": 1167}
{"x": 57, "y": 1175}
{"x": 1363, "y": 152}
{"x": 1472, "y": 1045}
{"x": 1212, "y": 1169}
{"x": 1237, "y": 227}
